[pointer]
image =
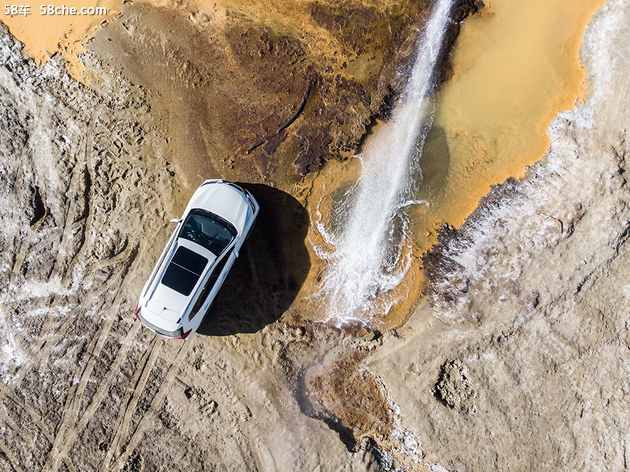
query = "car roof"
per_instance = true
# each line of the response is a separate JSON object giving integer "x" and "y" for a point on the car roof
{"x": 169, "y": 298}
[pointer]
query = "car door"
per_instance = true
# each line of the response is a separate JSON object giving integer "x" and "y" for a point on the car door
{"x": 219, "y": 273}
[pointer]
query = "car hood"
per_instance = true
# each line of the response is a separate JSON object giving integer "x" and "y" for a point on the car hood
{"x": 224, "y": 200}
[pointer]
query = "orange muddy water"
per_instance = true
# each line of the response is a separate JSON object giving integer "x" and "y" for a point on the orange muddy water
{"x": 515, "y": 67}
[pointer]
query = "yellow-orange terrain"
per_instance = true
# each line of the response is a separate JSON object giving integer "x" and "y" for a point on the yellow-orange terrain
{"x": 227, "y": 75}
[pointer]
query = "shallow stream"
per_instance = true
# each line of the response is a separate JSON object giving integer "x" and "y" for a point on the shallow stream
{"x": 515, "y": 67}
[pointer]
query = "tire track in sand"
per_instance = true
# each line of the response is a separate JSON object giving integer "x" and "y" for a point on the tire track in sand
{"x": 66, "y": 438}
{"x": 71, "y": 425}
{"x": 36, "y": 417}
{"x": 10, "y": 457}
{"x": 154, "y": 408}
{"x": 132, "y": 396}
{"x": 42, "y": 347}
{"x": 73, "y": 400}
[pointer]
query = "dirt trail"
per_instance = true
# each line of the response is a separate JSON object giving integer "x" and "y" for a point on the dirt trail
{"x": 82, "y": 172}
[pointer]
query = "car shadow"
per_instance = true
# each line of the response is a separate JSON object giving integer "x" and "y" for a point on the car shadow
{"x": 269, "y": 271}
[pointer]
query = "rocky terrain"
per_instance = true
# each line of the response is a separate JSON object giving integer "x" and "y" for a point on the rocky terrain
{"x": 517, "y": 360}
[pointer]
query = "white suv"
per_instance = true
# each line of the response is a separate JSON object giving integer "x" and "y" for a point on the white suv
{"x": 196, "y": 259}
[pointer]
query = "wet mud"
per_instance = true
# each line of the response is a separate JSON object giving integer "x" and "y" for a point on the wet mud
{"x": 230, "y": 90}
{"x": 354, "y": 398}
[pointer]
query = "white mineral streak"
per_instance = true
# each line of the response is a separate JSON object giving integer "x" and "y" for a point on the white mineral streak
{"x": 370, "y": 256}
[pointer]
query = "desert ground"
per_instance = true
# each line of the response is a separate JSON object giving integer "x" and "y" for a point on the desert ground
{"x": 515, "y": 357}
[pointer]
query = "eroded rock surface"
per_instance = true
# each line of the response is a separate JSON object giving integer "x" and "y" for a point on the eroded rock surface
{"x": 454, "y": 388}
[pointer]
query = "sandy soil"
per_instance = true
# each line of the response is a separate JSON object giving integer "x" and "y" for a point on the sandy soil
{"x": 84, "y": 386}
{"x": 518, "y": 361}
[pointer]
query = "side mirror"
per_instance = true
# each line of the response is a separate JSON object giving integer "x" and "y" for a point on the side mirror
{"x": 176, "y": 220}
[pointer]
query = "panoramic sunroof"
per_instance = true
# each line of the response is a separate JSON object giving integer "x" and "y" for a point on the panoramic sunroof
{"x": 184, "y": 270}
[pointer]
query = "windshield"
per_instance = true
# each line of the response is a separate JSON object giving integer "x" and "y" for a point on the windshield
{"x": 208, "y": 230}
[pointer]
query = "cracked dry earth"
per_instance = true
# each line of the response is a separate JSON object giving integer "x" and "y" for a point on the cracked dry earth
{"x": 518, "y": 361}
